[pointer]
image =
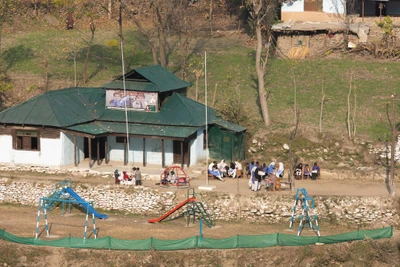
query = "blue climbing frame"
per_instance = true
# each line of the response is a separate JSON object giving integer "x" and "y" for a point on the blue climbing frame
{"x": 307, "y": 205}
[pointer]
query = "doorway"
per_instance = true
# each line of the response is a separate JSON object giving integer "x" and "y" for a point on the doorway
{"x": 93, "y": 142}
{"x": 178, "y": 154}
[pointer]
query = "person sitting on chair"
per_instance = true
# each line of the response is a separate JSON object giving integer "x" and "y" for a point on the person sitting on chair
{"x": 232, "y": 170}
{"x": 306, "y": 172}
{"x": 222, "y": 168}
{"x": 298, "y": 171}
{"x": 315, "y": 171}
{"x": 270, "y": 182}
{"x": 239, "y": 169}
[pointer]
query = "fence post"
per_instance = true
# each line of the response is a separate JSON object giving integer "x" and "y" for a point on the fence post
{"x": 277, "y": 239}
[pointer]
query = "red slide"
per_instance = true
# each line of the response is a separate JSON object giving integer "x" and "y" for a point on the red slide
{"x": 180, "y": 205}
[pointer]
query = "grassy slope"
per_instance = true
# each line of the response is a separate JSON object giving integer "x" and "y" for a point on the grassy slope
{"x": 230, "y": 64}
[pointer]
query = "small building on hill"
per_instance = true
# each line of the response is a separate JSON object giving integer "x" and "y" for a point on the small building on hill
{"x": 141, "y": 118}
{"x": 313, "y": 28}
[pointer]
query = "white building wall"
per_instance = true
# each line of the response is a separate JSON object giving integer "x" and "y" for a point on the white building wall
{"x": 328, "y": 6}
{"x": 293, "y": 6}
{"x": 152, "y": 154}
{"x": 6, "y": 155}
{"x": 333, "y": 6}
{"x": 67, "y": 153}
{"x": 153, "y": 151}
{"x": 49, "y": 154}
{"x": 169, "y": 151}
{"x": 197, "y": 153}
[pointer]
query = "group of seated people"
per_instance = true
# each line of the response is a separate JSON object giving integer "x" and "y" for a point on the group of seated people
{"x": 135, "y": 178}
{"x": 304, "y": 172}
{"x": 221, "y": 170}
{"x": 266, "y": 173}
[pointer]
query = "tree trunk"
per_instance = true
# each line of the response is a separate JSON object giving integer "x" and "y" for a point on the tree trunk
{"x": 109, "y": 9}
{"x": 161, "y": 46}
{"x": 349, "y": 108}
{"x": 322, "y": 103}
{"x": 1, "y": 38}
{"x": 154, "y": 52}
{"x": 211, "y": 17}
{"x": 354, "y": 112}
{"x": 392, "y": 163}
{"x": 92, "y": 29}
{"x": 75, "y": 79}
{"x": 260, "y": 77}
{"x": 148, "y": 38}
{"x": 392, "y": 150}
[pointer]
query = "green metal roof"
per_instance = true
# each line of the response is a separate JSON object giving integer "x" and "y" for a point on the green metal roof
{"x": 57, "y": 108}
{"x": 96, "y": 128}
{"x": 161, "y": 78}
{"x": 84, "y": 110}
{"x": 229, "y": 125}
{"x": 132, "y": 85}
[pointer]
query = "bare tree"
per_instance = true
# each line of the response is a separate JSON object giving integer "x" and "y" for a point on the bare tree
{"x": 92, "y": 30}
{"x": 262, "y": 12}
{"x": 158, "y": 15}
{"x": 394, "y": 127}
{"x": 322, "y": 101}
{"x": 198, "y": 74}
{"x": 351, "y": 110}
{"x": 109, "y": 9}
{"x": 344, "y": 10}
{"x": 7, "y": 7}
{"x": 293, "y": 134}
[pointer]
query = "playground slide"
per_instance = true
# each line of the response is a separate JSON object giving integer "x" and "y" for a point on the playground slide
{"x": 90, "y": 209}
{"x": 180, "y": 205}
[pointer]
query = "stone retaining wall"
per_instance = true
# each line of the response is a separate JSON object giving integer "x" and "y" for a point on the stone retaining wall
{"x": 372, "y": 211}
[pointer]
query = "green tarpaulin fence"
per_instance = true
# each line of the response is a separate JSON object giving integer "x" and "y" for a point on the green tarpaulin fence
{"x": 239, "y": 241}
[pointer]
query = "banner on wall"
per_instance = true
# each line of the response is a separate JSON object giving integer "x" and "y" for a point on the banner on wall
{"x": 133, "y": 100}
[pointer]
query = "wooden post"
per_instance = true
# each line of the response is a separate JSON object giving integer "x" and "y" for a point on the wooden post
{"x": 144, "y": 152}
{"x": 182, "y": 157}
{"x": 162, "y": 154}
{"x": 90, "y": 151}
{"x": 188, "y": 162}
{"x": 75, "y": 163}
{"x": 106, "y": 159}
{"x": 362, "y": 10}
{"x": 98, "y": 150}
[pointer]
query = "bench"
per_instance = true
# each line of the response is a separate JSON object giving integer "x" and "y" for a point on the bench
{"x": 239, "y": 173}
{"x": 210, "y": 176}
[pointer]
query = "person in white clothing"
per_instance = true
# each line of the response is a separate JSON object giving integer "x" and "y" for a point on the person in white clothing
{"x": 222, "y": 167}
{"x": 213, "y": 169}
{"x": 281, "y": 170}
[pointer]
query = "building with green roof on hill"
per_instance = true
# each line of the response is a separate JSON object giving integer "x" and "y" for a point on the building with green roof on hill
{"x": 151, "y": 121}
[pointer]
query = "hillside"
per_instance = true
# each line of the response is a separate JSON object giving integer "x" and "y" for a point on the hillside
{"x": 39, "y": 56}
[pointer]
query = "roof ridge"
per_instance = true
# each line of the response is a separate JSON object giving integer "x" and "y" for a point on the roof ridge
{"x": 190, "y": 111}
{"x": 37, "y": 100}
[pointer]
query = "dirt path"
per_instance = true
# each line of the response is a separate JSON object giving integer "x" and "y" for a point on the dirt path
{"x": 322, "y": 187}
